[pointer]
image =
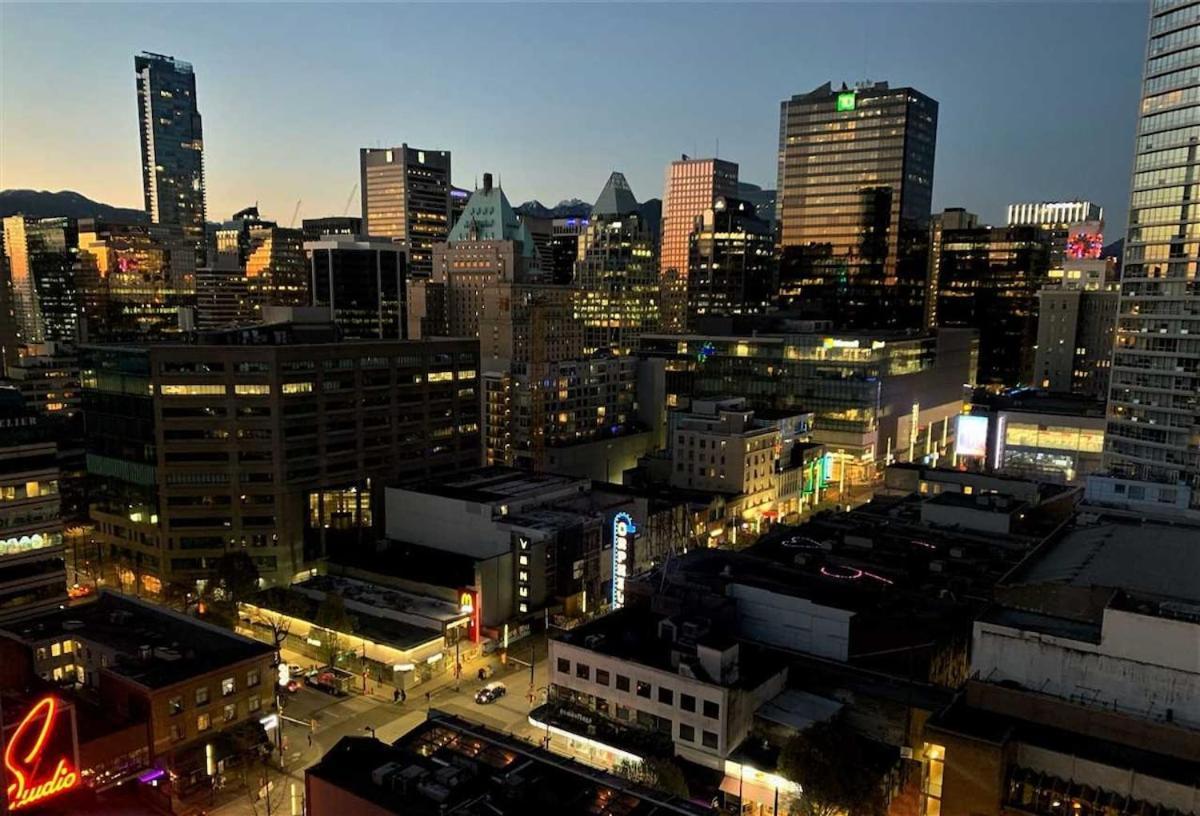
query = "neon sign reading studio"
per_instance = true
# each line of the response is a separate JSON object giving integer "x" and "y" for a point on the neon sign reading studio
{"x": 623, "y": 530}
{"x": 33, "y": 771}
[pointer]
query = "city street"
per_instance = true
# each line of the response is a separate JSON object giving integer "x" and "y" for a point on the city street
{"x": 362, "y": 715}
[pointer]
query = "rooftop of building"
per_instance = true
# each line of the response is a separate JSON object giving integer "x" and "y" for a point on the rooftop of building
{"x": 1034, "y": 400}
{"x": 1151, "y": 560}
{"x": 488, "y": 216}
{"x": 985, "y": 483}
{"x": 634, "y": 634}
{"x": 156, "y": 646}
{"x": 298, "y": 328}
{"x": 496, "y": 483}
{"x": 383, "y": 598}
{"x": 616, "y": 199}
{"x": 982, "y": 502}
{"x": 378, "y": 627}
{"x": 448, "y": 764}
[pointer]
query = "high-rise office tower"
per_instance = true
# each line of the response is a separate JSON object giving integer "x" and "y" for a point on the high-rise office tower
{"x": 692, "y": 186}
{"x": 406, "y": 197}
{"x": 39, "y": 254}
{"x": 362, "y": 282}
{"x": 1153, "y": 433}
{"x": 616, "y": 277}
{"x": 732, "y": 262}
{"x": 854, "y": 196}
{"x": 172, "y": 144}
{"x": 1056, "y": 218}
{"x": 988, "y": 279}
{"x": 132, "y": 280}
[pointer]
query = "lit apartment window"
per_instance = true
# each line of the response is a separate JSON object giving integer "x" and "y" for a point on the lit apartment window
{"x": 175, "y": 705}
{"x": 227, "y": 687}
{"x": 203, "y": 722}
{"x": 230, "y": 712}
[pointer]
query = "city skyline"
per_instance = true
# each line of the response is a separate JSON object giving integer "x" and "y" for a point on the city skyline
{"x": 998, "y": 141}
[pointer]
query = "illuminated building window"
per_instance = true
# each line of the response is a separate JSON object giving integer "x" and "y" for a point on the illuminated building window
{"x": 298, "y": 388}
{"x": 251, "y": 390}
{"x": 253, "y": 704}
{"x": 931, "y": 787}
{"x": 203, "y": 722}
{"x": 175, "y": 705}
{"x": 227, "y": 687}
{"x": 230, "y": 712}
{"x": 191, "y": 390}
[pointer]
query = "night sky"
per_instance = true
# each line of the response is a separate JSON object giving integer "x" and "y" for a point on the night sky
{"x": 1038, "y": 101}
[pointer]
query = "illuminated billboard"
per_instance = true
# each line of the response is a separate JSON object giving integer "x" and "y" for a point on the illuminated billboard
{"x": 1085, "y": 240}
{"x": 970, "y": 435}
{"x": 845, "y": 101}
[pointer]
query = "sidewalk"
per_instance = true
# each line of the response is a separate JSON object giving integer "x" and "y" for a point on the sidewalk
{"x": 382, "y": 690}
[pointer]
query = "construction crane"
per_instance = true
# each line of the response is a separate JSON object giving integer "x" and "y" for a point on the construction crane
{"x": 296, "y": 212}
{"x": 349, "y": 199}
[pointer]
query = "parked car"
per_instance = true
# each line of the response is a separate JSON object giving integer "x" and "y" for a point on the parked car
{"x": 490, "y": 693}
{"x": 329, "y": 680}
{"x": 292, "y": 686}
{"x": 295, "y": 671}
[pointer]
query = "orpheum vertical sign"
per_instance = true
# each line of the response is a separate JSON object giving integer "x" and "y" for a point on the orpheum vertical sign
{"x": 39, "y": 756}
{"x": 623, "y": 530}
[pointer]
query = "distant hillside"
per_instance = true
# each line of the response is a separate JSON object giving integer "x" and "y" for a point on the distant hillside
{"x": 571, "y": 208}
{"x": 45, "y": 204}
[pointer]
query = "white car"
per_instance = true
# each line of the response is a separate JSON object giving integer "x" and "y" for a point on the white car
{"x": 295, "y": 671}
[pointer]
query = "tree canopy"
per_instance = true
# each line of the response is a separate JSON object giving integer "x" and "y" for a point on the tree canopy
{"x": 829, "y": 763}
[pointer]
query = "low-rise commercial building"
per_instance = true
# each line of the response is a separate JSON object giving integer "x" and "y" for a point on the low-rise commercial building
{"x": 683, "y": 679}
{"x": 448, "y": 764}
{"x": 387, "y": 635}
{"x": 875, "y": 399}
{"x": 497, "y": 532}
{"x": 1039, "y": 435}
{"x": 202, "y": 694}
{"x": 1086, "y": 695}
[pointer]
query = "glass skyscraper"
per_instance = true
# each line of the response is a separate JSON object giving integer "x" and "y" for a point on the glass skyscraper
{"x": 854, "y": 197}
{"x": 39, "y": 259}
{"x": 172, "y": 144}
{"x": 1154, "y": 404}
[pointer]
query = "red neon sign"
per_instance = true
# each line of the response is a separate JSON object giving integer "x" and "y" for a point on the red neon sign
{"x": 25, "y": 786}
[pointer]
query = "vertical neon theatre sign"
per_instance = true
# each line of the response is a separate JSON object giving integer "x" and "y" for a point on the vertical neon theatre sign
{"x": 32, "y": 776}
{"x": 623, "y": 530}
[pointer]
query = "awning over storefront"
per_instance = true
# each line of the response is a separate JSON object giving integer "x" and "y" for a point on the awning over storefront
{"x": 747, "y": 791}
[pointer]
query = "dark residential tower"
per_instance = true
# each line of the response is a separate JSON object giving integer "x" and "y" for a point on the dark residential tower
{"x": 172, "y": 144}
{"x": 854, "y": 197}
